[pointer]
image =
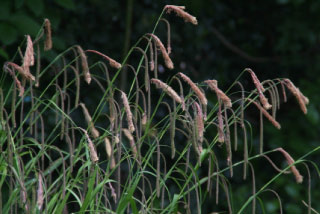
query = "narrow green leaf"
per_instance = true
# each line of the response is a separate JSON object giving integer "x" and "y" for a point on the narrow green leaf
{"x": 89, "y": 193}
{"x": 133, "y": 206}
{"x": 3, "y": 170}
{"x": 126, "y": 197}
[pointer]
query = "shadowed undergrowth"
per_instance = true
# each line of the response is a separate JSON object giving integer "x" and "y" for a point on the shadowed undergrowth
{"x": 73, "y": 141}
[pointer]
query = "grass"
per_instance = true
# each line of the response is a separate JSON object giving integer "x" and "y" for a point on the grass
{"x": 159, "y": 147}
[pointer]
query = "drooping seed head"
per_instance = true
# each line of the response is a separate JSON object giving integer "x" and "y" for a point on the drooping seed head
{"x": 47, "y": 31}
{"x": 40, "y": 197}
{"x": 108, "y": 146}
{"x": 195, "y": 89}
{"x": 220, "y": 126}
{"x": 199, "y": 121}
{"x": 302, "y": 100}
{"x": 179, "y": 10}
{"x": 165, "y": 55}
{"x": 213, "y": 85}
{"x": 95, "y": 133}
{"x": 112, "y": 62}
{"x": 116, "y": 139}
{"x": 133, "y": 146}
{"x": 92, "y": 150}
{"x": 12, "y": 73}
{"x": 260, "y": 89}
{"x": 266, "y": 114}
{"x": 128, "y": 111}
{"x": 25, "y": 73}
{"x": 84, "y": 64}
{"x": 144, "y": 119}
{"x": 290, "y": 161}
{"x": 28, "y": 59}
{"x": 167, "y": 89}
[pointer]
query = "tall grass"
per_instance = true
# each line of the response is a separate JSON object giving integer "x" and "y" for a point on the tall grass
{"x": 73, "y": 142}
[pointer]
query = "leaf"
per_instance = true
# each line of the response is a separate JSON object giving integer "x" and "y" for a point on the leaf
{"x": 89, "y": 194}
{"x": 36, "y": 6}
{"x": 173, "y": 204}
{"x": 8, "y": 35}
{"x": 3, "y": 169}
{"x": 25, "y": 24}
{"x": 204, "y": 154}
{"x": 133, "y": 206}
{"x": 68, "y": 4}
{"x": 126, "y": 198}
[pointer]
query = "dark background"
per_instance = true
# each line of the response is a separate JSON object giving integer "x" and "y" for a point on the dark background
{"x": 276, "y": 38}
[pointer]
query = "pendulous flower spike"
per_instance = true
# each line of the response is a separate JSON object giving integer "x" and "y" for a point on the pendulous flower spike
{"x": 179, "y": 10}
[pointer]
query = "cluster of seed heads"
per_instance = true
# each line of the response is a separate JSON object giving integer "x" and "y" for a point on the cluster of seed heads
{"x": 136, "y": 124}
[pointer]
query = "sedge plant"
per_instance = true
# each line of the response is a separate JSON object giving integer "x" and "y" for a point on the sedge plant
{"x": 162, "y": 146}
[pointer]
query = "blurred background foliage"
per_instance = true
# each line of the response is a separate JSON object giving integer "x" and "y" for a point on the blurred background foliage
{"x": 276, "y": 38}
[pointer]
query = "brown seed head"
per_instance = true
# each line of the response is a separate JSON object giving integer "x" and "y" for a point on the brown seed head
{"x": 290, "y": 161}
{"x": 84, "y": 64}
{"x": 28, "y": 59}
{"x": 25, "y": 73}
{"x": 144, "y": 119}
{"x": 20, "y": 87}
{"x": 283, "y": 91}
{"x": 12, "y": 73}
{"x": 128, "y": 111}
{"x": 95, "y": 133}
{"x": 116, "y": 139}
{"x": 195, "y": 89}
{"x": 213, "y": 85}
{"x": 133, "y": 146}
{"x": 107, "y": 144}
{"x": 260, "y": 89}
{"x": 302, "y": 100}
{"x": 93, "y": 153}
{"x": 152, "y": 65}
{"x": 266, "y": 114}
{"x": 220, "y": 125}
{"x": 199, "y": 121}
{"x": 92, "y": 149}
{"x": 179, "y": 10}
{"x": 47, "y": 31}
{"x": 112, "y": 62}
{"x": 165, "y": 55}
{"x": 167, "y": 89}
{"x": 40, "y": 197}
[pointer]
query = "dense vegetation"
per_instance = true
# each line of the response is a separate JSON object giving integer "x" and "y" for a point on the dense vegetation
{"x": 83, "y": 132}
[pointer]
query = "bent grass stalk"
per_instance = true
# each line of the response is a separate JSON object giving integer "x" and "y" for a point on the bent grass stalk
{"x": 80, "y": 179}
